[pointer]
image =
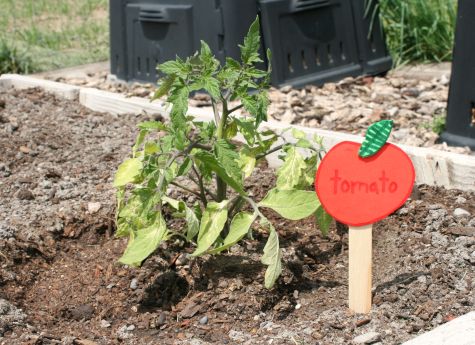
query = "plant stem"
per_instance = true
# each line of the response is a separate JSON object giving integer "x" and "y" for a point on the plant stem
{"x": 206, "y": 191}
{"x": 201, "y": 185}
{"x": 223, "y": 120}
{"x": 255, "y": 207}
{"x": 203, "y": 147}
{"x": 174, "y": 233}
{"x": 170, "y": 161}
{"x": 217, "y": 119}
{"x": 277, "y": 148}
{"x": 236, "y": 108}
{"x": 220, "y": 184}
{"x": 236, "y": 205}
{"x": 221, "y": 189}
{"x": 186, "y": 189}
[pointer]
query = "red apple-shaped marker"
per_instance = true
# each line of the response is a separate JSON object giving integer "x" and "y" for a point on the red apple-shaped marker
{"x": 359, "y": 191}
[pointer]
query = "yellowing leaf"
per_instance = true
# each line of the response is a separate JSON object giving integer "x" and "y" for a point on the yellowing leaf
{"x": 212, "y": 222}
{"x": 247, "y": 162}
{"x": 151, "y": 148}
{"x": 192, "y": 223}
{"x": 238, "y": 229}
{"x": 127, "y": 172}
{"x": 123, "y": 229}
{"x": 153, "y": 125}
{"x": 288, "y": 175}
{"x": 231, "y": 130}
{"x": 145, "y": 242}
{"x": 298, "y": 134}
{"x": 308, "y": 175}
{"x": 176, "y": 204}
{"x": 291, "y": 204}
{"x": 271, "y": 258}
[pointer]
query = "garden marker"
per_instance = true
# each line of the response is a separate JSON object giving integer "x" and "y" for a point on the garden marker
{"x": 359, "y": 185}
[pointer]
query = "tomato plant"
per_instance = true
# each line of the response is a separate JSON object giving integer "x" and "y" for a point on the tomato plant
{"x": 203, "y": 158}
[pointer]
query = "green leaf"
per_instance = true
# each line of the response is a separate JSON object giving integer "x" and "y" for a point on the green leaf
{"x": 179, "y": 99}
{"x": 245, "y": 83}
{"x": 145, "y": 242}
{"x": 208, "y": 61}
{"x": 262, "y": 104}
{"x": 207, "y": 130}
{"x": 149, "y": 199}
{"x": 376, "y": 136}
{"x": 211, "y": 85}
{"x": 324, "y": 220}
{"x": 165, "y": 86}
{"x": 171, "y": 67}
{"x": 213, "y": 164}
{"x": 166, "y": 143}
{"x": 256, "y": 105}
{"x": 233, "y": 64}
{"x": 228, "y": 157}
{"x": 250, "y": 48}
{"x": 239, "y": 228}
{"x": 185, "y": 167}
{"x": 205, "y": 52}
{"x": 291, "y": 204}
{"x": 250, "y": 104}
{"x": 212, "y": 222}
{"x": 229, "y": 73}
{"x": 194, "y": 60}
{"x": 247, "y": 129}
{"x": 127, "y": 172}
{"x": 180, "y": 140}
{"x": 271, "y": 258}
{"x": 256, "y": 73}
{"x": 289, "y": 174}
